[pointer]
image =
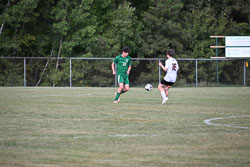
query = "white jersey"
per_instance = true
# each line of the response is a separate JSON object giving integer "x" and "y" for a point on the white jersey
{"x": 172, "y": 68}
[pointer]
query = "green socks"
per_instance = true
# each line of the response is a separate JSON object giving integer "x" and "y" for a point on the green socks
{"x": 117, "y": 96}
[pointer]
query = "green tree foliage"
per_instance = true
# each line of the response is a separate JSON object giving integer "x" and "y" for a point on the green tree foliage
{"x": 162, "y": 29}
{"x": 16, "y": 38}
{"x": 100, "y": 28}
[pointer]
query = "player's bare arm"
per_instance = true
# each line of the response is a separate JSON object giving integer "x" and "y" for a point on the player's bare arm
{"x": 113, "y": 68}
{"x": 164, "y": 68}
{"x": 129, "y": 68}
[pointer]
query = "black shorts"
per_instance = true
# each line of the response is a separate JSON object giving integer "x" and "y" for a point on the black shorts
{"x": 166, "y": 83}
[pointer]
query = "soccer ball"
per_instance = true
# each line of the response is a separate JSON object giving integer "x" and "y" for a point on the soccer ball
{"x": 148, "y": 87}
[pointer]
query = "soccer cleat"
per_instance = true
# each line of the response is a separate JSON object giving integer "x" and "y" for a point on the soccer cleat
{"x": 118, "y": 98}
{"x": 164, "y": 101}
{"x": 116, "y": 101}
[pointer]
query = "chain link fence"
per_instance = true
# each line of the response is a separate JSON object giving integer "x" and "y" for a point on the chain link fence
{"x": 96, "y": 72}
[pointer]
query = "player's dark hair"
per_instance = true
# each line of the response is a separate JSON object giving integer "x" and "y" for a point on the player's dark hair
{"x": 170, "y": 52}
{"x": 126, "y": 49}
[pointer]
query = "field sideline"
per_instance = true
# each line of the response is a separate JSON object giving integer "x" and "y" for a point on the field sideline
{"x": 75, "y": 127}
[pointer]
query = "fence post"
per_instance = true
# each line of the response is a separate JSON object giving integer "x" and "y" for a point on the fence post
{"x": 70, "y": 72}
{"x": 24, "y": 72}
{"x": 217, "y": 62}
{"x": 217, "y": 69}
{"x": 159, "y": 71}
{"x": 244, "y": 72}
{"x": 196, "y": 73}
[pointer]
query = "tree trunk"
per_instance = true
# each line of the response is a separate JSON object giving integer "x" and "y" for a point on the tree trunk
{"x": 51, "y": 53}
{"x": 1, "y": 29}
{"x": 58, "y": 56}
{"x": 59, "y": 53}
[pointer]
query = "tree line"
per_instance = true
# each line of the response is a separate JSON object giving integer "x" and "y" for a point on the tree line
{"x": 100, "y": 28}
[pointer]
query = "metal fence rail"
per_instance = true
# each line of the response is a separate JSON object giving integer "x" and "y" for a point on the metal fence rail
{"x": 156, "y": 60}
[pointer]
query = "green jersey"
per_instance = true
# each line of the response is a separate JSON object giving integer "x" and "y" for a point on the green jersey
{"x": 122, "y": 64}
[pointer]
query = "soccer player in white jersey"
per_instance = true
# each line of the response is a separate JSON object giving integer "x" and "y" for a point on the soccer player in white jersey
{"x": 171, "y": 67}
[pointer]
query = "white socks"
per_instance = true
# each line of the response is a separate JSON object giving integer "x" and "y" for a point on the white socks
{"x": 163, "y": 95}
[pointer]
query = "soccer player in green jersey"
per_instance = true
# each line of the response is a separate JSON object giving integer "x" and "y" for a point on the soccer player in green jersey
{"x": 123, "y": 63}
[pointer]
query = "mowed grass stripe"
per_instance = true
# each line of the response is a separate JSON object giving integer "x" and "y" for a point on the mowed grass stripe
{"x": 82, "y": 127}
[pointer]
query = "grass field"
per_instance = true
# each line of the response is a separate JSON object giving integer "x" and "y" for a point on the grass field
{"x": 73, "y": 127}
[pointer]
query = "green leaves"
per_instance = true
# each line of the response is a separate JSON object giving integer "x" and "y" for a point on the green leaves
{"x": 20, "y": 12}
{"x": 162, "y": 27}
{"x": 100, "y": 28}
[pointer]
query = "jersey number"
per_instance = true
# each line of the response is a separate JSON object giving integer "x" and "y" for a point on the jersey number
{"x": 173, "y": 66}
{"x": 124, "y": 64}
